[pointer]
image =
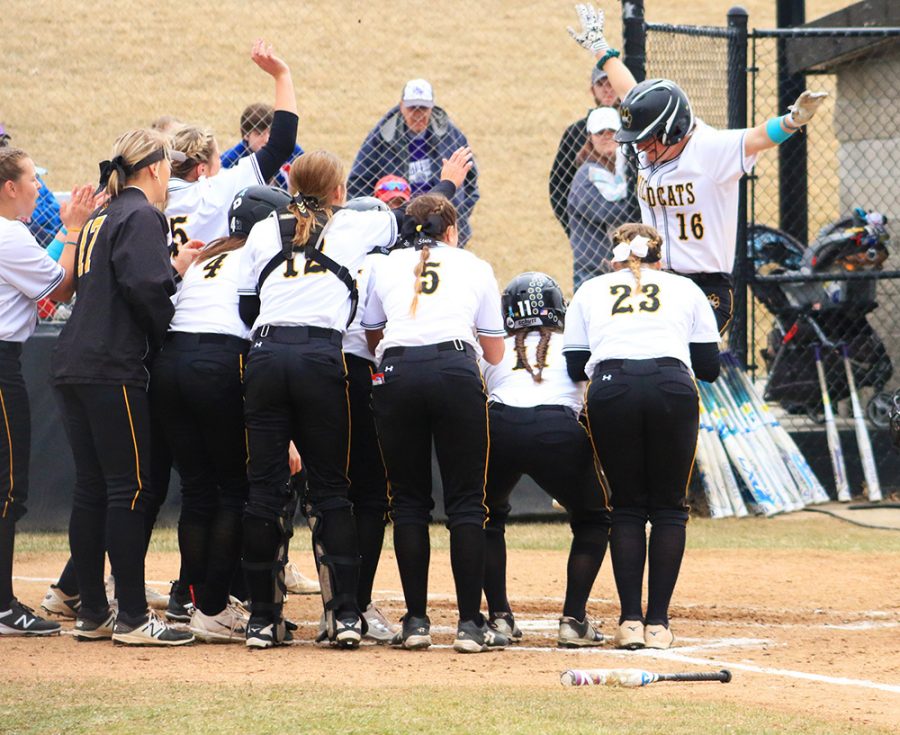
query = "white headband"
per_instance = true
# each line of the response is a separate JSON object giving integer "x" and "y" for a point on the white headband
{"x": 638, "y": 246}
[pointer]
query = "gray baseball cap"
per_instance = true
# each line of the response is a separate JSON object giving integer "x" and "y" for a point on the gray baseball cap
{"x": 597, "y": 75}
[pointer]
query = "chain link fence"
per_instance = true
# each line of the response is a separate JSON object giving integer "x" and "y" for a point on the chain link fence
{"x": 821, "y": 273}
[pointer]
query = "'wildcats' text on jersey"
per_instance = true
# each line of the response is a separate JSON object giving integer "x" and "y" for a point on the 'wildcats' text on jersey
{"x": 692, "y": 200}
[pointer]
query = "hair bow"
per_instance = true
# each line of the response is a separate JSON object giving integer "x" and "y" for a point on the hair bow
{"x": 638, "y": 246}
{"x": 117, "y": 164}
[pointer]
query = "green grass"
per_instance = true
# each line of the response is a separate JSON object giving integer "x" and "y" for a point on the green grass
{"x": 808, "y": 531}
{"x": 95, "y": 706}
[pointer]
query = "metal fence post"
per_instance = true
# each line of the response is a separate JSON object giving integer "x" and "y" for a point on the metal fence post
{"x": 634, "y": 38}
{"x": 793, "y": 204}
{"x": 737, "y": 118}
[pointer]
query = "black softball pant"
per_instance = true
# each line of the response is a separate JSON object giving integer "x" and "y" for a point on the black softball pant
{"x": 719, "y": 290}
{"x": 643, "y": 419}
{"x": 108, "y": 427}
{"x": 551, "y": 445}
{"x": 368, "y": 483}
{"x": 296, "y": 389}
{"x": 424, "y": 393}
{"x": 196, "y": 394}
{"x": 15, "y": 451}
{"x": 433, "y": 392}
{"x": 15, "y": 434}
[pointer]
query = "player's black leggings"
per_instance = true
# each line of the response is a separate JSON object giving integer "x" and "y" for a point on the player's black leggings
{"x": 427, "y": 393}
{"x": 643, "y": 420}
{"x": 15, "y": 451}
{"x": 197, "y": 396}
{"x": 296, "y": 389}
{"x": 368, "y": 483}
{"x": 549, "y": 444}
{"x": 108, "y": 427}
{"x": 719, "y": 290}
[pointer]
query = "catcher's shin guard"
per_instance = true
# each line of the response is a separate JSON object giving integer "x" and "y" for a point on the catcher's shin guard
{"x": 337, "y": 558}
{"x": 273, "y": 606}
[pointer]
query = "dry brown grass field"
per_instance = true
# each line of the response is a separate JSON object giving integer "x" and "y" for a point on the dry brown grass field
{"x": 79, "y": 73}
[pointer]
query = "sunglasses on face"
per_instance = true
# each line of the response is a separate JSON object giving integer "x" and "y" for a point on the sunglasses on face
{"x": 394, "y": 186}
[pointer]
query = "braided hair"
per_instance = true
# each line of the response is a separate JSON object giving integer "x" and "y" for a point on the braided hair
{"x": 428, "y": 217}
{"x": 627, "y": 232}
{"x": 542, "y": 349}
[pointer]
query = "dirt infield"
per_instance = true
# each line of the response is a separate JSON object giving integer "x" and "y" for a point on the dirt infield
{"x": 807, "y": 633}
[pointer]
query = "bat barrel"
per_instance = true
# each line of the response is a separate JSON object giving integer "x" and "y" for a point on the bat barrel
{"x": 723, "y": 676}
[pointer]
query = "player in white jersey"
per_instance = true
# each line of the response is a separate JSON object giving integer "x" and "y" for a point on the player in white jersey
{"x": 27, "y": 274}
{"x": 688, "y": 172}
{"x": 634, "y": 333}
{"x": 197, "y": 396}
{"x": 298, "y": 292}
{"x": 200, "y": 191}
{"x": 431, "y": 310}
{"x": 535, "y": 430}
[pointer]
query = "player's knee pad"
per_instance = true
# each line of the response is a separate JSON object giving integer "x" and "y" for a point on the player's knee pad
{"x": 331, "y": 523}
{"x": 668, "y": 517}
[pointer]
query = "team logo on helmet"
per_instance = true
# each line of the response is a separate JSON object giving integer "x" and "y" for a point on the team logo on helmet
{"x": 625, "y": 114}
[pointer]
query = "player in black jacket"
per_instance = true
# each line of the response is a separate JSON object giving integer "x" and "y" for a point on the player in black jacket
{"x": 124, "y": 281}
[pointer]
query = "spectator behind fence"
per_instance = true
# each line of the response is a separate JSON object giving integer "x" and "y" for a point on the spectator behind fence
{"x": 598, "y": 199}
{"x": 256, "y": 124}
{"x": 44, "y": 222}
{"x": 412, "y": 140}
{"x": 394, "y": 191}
{"x": 565, "y": 164}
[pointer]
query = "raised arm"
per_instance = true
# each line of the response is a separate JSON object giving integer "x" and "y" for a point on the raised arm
{"x": 283, "y": 138}
{"x": 591, "y": 38}
{"x": 776, "y": 130}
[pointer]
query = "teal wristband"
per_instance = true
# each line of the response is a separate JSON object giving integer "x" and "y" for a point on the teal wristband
{"x": 611, "y": 54}
{"x": 777, "y": 134}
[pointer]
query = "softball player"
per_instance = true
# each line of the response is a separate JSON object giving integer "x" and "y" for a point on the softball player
{"x": 197, "y": 396}
{"x": 27, "y": 275}
{"x": 200, "y": 191}
{"x": 123, "y": 272}
{"x": 426, "y": 305}
{"x": 298, "y": 292}
{"x": 688, "y": 172}
{"x": 634, "y": 332}
{"x": 534, "y": 409}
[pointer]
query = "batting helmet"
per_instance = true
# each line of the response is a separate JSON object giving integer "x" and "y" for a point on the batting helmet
{"x": 533, "y": 300}
{"x": 252, "y": 205}
{"x": 656, "y": 108}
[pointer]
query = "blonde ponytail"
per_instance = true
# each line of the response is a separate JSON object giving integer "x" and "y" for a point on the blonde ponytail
{"x": 314, "y": 176}
{"x": 131, "y": 148}
{"x": 419, "y": 270}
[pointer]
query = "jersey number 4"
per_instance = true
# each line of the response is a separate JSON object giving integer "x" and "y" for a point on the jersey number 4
{"x": 211, "y": 268}
{"x": 623, "y": 293}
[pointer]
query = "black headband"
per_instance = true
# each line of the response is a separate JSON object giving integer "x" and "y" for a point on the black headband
{"x": 124, "y": 170}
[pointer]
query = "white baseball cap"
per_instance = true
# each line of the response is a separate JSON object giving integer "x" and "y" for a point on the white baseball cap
{"x": 418, "y": 93}
{"x": 603, "y": 118}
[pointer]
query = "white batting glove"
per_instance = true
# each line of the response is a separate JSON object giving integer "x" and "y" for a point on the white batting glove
{"x": 591, "y": 36}
{"x": 803, "y": 110}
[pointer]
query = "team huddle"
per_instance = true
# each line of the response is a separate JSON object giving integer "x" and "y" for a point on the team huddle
{"x": 296, "y": 350}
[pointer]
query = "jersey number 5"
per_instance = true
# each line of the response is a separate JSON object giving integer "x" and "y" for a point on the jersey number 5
{"x": 179, "y": 234}
{"x": 430, "y": 278}
{"x": 651, "y": 303}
